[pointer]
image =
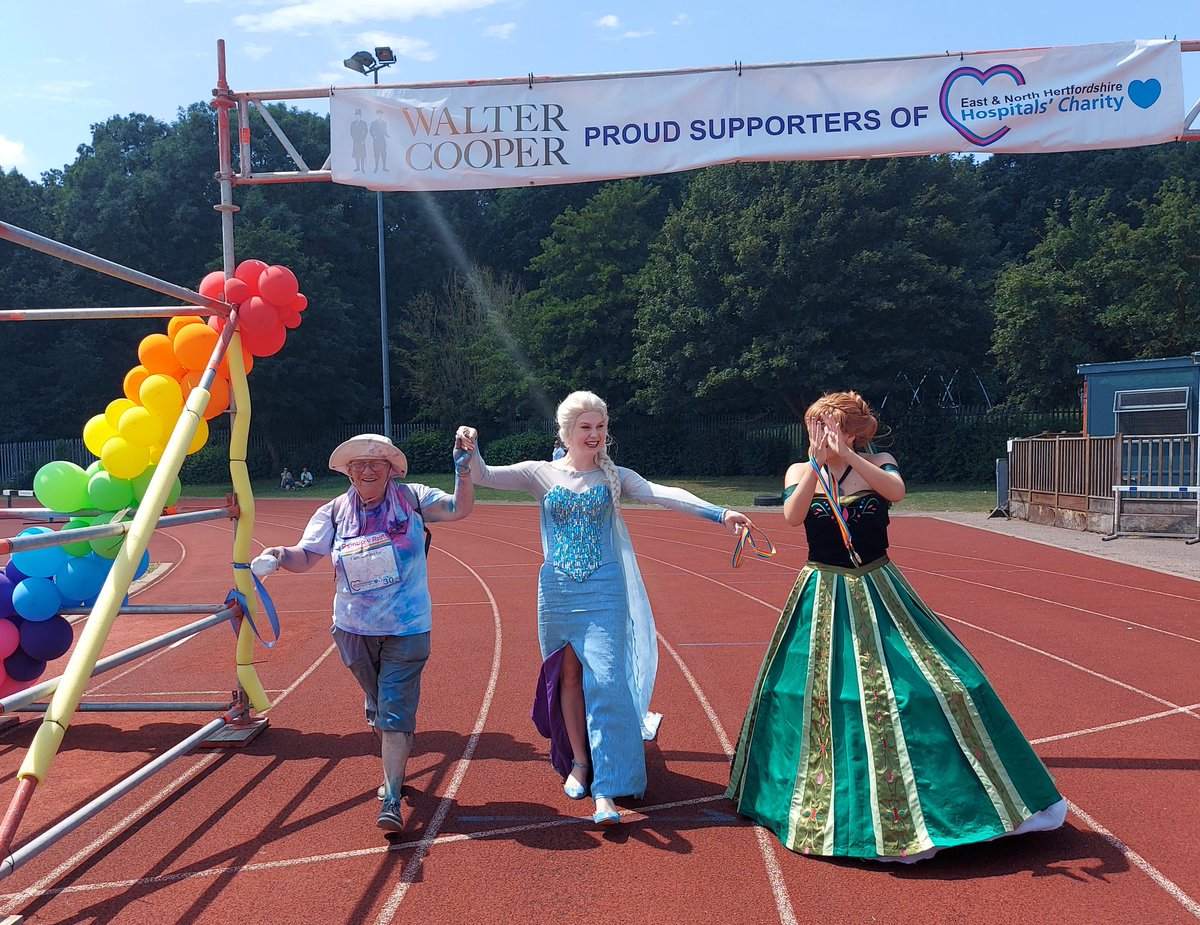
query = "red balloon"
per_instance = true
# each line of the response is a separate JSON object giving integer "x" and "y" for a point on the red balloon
{"x": 278, "y": 285}
{"x": 236, "y": 291}
{"x": 212, "y": 285}
{"x": 299, "y": 303}
{"x": 217, "y": 324}
{"x": 257, "y": 316}
{"x": 265, "y": 344}
{"x": 248, "y": 271}
{"x": 291, "y": 320}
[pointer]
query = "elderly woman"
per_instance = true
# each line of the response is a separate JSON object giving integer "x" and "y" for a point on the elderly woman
{"x": 381, "y": 607}
{"x": 595, "y": 627}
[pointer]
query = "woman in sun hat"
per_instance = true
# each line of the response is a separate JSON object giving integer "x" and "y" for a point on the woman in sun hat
{"x": 595, "y": 627}
{"x": 375, "y": 533}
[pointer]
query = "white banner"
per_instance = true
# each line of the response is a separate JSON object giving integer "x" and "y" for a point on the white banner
{"x": 567, "y": 130}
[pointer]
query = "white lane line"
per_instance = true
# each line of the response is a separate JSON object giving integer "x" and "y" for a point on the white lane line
{"x": 413, "y": 867}
{"x": 1107, "y": 726}
{"x": 646, "y": 812}
{"x": 783, "y": 903}
{"x": 39, "y": 888}
{"x": 1168, "y": 886}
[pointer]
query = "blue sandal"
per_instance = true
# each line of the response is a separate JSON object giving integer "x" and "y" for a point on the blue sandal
{"x": 573, "y": 790}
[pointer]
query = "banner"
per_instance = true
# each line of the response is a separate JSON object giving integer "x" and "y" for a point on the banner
{"x": 575, "y": 129}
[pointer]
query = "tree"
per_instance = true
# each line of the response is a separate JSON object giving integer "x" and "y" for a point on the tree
{"x": 774, "y": 282}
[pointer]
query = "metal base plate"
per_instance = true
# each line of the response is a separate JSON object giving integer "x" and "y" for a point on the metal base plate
{"x": 235, "y": 735}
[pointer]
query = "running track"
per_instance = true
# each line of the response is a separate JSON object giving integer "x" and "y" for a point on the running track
{"x": 1097, "y": 661}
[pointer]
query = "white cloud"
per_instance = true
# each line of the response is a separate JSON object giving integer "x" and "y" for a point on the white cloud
{"x": 305, "y": 14}
{"x": 257, "y": 52}
{"x": 609, "y": 22}
{"x": 12, "y": 154}
{"x": 502, "y": 31}
{"x": 637, "y": 35}
{"x": 683, "y": 19}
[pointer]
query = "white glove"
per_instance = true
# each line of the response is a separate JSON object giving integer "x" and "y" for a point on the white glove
{"x": 263, "y": 565}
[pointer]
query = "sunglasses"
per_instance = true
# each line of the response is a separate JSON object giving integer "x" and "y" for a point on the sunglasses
{"x": 376, "y": 465}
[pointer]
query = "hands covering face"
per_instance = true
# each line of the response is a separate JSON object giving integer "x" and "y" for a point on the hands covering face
{"x": 826, "y": 439}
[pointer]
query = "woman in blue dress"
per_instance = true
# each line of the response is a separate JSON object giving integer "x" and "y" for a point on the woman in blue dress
{"x": 595, "y": 627}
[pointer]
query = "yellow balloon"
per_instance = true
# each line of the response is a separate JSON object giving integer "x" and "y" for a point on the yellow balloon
{"x": 156, "y": 451}
{"x": 162, "y": 395}
{"x": 115, "y": 409}
{"x": 139, "y": 426}
{"x": 200, "y": 439}
{"x": 123, "y": 459}
{"x": 96, "y": 433}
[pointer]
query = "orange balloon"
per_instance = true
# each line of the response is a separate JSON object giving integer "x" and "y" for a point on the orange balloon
{"x": 181, "y": 321}
{"x": 133, "y": 381}
{"x": 157, "y": 354}
{"x": 218, "y": 392}
{"x": 194, "y": 345}
{"x": 247, "y": 361}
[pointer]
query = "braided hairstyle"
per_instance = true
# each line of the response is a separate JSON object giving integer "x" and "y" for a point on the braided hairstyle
{"x": 568, "y": 413}
{"x": 851, "y": 412}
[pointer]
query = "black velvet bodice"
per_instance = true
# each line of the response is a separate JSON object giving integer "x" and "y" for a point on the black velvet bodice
{"x": 866, "y": 514}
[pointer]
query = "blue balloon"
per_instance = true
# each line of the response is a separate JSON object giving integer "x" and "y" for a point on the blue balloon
{"x": 79, "y": 579}
{"x": 143, "y": 566}
{"x": 23, "y": 667}
{"x": 36, "y": 599}
{"x": 39, "y": 563}
{"x": 46, "y": 640}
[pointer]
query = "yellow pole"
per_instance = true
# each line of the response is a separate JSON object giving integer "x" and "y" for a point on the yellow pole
{"x": 239, "y": 438}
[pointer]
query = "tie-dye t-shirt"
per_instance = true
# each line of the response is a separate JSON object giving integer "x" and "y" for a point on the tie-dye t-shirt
{"x": 399, "y": 609}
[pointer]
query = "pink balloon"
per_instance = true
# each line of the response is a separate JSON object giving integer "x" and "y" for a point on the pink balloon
{"x": 10, "y": 638}
{"x": 278, "y": 285}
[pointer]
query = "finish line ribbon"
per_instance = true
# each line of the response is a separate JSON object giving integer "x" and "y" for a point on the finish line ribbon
{"x": 829, "y": 483}
{"x": 268, "y": 606}
{"x": 746, "y": 540}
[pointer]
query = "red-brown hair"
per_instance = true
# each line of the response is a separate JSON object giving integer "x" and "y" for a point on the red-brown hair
{"x": 851, "y": 412}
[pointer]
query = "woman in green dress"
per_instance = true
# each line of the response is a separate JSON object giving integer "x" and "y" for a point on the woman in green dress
{"x": 872, "y": 732}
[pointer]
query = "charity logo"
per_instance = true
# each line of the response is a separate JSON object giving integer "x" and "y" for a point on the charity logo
{"x": 1144, "y": 93}
{"x": 977, "y": 95}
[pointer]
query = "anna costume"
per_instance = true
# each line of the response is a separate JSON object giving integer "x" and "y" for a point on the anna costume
{"x": 872, "y": 732}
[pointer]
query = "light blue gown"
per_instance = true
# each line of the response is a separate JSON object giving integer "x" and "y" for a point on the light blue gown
{"x": 591, "y": 597}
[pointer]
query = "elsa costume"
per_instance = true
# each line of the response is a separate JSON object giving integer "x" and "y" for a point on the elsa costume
{"x": 591, "y": 598}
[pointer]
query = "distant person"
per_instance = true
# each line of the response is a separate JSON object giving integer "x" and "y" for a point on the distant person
{"x": 286, "y": 480}
{"x": 872, "y": 732}
{"x": 358, "y": 142}
{"x": 559, "y": 450}
{"x": 595, "y": 627}
{"x": 382, "y": 614}
{"x": 306, "y": 478}
{"x": 379, "y": 137}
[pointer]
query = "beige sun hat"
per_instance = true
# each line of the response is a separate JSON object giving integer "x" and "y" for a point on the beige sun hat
{"x": 368, "y": 446}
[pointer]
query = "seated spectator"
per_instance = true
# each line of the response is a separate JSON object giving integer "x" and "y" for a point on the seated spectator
{"x": 306, "y": 478}
{"x": 286, "y": 481}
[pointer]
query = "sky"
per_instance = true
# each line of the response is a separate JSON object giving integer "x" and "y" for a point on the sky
{"x": 69, "y": 64}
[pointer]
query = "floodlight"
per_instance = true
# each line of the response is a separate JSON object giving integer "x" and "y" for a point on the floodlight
{"x": 385, "y": 55}
{"x": 354, "y": 65}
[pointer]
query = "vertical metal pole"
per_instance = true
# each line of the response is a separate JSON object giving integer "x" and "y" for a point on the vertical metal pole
{"x": 383, "y": 312}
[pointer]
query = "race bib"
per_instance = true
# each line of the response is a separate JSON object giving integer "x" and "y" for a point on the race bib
{"x": 369, "y": 563}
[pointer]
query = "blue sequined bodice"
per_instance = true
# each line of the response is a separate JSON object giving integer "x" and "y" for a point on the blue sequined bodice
{"x": 578, "y": 519}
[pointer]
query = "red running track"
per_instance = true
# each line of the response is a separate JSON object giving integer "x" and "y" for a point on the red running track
{"x": 1096, "y": 660}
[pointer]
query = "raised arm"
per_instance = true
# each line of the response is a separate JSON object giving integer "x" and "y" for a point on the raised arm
{"x": 635, "y": 487}
{"x": 460, "y": 504}
{"x": 505, "y": 478}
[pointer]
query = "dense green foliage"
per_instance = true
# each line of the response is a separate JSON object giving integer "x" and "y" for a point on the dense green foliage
{"x": 743, "y": 290}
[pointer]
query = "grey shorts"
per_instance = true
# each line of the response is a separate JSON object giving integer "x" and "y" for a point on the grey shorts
{"x": 388, "y": 669}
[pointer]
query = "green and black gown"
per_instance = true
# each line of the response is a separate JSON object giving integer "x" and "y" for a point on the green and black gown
{"x": 872, "y": 732}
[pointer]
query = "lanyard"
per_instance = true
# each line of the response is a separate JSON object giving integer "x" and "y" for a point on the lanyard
{"x": 746, "y": 539}
{"x": 829, "y": 483}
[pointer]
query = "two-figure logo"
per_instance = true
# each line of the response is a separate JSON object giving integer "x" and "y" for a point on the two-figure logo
{"x": 983, "y": 115}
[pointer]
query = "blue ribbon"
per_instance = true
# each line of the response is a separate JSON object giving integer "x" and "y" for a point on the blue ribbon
{"x": 267, "y": 603}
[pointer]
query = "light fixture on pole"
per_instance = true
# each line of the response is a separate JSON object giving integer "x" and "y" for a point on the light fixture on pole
{"x": 365, "y": 63}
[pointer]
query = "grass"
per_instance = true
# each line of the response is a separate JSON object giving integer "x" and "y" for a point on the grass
{"x": 734, "y": 491}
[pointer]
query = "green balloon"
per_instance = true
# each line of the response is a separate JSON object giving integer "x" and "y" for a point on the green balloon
{"x": 61, "y": 486}
{"x": 109, "y": 493}
{"x": 82, "y": 548}
{"x": 107, "y": 546}
{"x": 95, "y": 467}
{"x": 142, "y": 482}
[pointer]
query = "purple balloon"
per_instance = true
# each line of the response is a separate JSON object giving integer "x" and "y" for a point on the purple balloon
{"x": 14, "y": 574}
{"x": 6, "y": 590}
{"x": 46, "y": 640}
{"x": 21, "y": 666}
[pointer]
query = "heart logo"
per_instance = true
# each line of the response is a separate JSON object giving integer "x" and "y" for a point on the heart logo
{"x": 998, "y": 70}
{"x": 1144, "y": 93}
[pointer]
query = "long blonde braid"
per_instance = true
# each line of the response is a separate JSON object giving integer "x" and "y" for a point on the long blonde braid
{"x": 568, "y": 413}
